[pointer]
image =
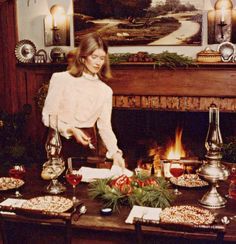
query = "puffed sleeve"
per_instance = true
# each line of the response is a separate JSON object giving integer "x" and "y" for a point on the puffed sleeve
{"x": 105, "y": 127}
{"x": 52, "y": 103}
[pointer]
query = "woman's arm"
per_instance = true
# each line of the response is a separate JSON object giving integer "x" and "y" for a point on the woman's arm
{"x": 107, "y": 134}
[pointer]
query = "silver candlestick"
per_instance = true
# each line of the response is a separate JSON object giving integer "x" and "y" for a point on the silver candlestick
{"x": 212, "y": 170}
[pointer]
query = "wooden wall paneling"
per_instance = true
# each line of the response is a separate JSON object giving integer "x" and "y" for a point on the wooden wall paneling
{"x": 8, "y": 41}
{"x": 32, "y": 77}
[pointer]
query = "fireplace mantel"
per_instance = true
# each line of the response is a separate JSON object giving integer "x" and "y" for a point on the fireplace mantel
{"x": 145, "y": 86}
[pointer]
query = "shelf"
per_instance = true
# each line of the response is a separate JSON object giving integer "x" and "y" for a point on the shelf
{"x": 127, "y": 65}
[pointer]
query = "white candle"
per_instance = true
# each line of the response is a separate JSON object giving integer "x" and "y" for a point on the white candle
{"x": 54, "y": 22}
{"x": 223, "y": 14}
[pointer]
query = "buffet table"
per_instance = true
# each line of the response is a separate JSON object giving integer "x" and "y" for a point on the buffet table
{"x": 94, "y": 228}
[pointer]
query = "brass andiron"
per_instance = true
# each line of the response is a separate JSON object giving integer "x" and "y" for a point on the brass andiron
{"x": 212, "y": 170}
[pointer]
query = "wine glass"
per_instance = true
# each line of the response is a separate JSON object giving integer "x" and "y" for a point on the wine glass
{"x": 17, "y": 171}
{"x": 73, "y": 177}
{"x": 176, "y": 169}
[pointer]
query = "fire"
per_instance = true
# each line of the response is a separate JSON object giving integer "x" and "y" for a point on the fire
{"x": 176, "y": 150}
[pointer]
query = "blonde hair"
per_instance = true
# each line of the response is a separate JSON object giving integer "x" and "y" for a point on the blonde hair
{"x": 88, "y": 44}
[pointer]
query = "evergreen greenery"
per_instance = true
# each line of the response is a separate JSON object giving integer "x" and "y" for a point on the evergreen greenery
{"x": 229, "y": 150}
{"x": 168, "y": 59}
{"x": 151, "y": 195}
{"x": 15, "y": 146}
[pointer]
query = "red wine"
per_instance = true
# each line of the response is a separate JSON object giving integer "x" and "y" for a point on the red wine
{"x": 232, "y": 193}
{"x": 17, "y": 173}
{"x": 73, "y": 179}
{"x": 232, "y": 177}
{"x": 176, "y": 172}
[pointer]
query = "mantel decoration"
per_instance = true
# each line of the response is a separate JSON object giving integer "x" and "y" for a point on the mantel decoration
{"x": 25, "y": 51}
{"x": 165, "y": 58}
{"x": 135, "y": 190}
{"x": 209, "y": 56}
{"x": 227, "y": 50}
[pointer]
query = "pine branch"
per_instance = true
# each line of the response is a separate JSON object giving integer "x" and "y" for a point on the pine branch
{"x": 152, "y": 195}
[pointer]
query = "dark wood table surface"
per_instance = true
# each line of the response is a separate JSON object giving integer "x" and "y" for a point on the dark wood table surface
{"x": 94, "y": 228}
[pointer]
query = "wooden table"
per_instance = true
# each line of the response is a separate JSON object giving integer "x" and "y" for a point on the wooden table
{"x": 94, "y": 228}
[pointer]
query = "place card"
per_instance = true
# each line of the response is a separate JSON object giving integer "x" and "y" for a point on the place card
{"x": 145, "y": 213}
{"x": 12, "y": 202}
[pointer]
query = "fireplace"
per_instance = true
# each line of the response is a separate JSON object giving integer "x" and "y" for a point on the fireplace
{"x": 150, "y": 103}
{"x": 138, "y": 131}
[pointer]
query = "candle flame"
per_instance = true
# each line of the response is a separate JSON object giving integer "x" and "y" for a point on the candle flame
{"x": 176, "y": 150}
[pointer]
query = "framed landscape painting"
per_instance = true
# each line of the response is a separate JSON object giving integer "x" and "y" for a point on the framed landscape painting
{"x": 140, "y": 22}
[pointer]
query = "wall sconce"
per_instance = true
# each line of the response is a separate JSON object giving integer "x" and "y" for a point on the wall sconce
{"x": 57, "y": 27}
{"x": 222, "y": 22}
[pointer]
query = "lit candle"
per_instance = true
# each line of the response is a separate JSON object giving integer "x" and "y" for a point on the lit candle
{"x": 54, "y": 22}
{"x": 223, "y": 14}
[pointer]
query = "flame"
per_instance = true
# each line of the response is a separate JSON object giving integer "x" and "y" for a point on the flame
{"x": 176, "y": 150}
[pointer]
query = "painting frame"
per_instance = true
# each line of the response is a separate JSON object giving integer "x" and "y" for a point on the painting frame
{"x": 153, "y": 26}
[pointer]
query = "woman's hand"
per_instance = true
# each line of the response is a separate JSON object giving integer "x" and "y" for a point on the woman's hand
{"x": 118, "y": 160}
{"x": 80, "y": 136}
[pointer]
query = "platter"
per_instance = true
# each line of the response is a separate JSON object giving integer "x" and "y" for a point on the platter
{"x": 186, "y": 214}
{"x": 48, "y": 203}
{"x": 25, "y": 51}
{"x": 8, "y": 183}
{"x": 188, "y": 180}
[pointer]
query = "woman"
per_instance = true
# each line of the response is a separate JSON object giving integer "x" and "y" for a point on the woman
{"x": 81, "y": 99}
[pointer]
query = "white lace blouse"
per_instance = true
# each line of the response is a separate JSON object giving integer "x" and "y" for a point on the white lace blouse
{"x": 81, "y": 102}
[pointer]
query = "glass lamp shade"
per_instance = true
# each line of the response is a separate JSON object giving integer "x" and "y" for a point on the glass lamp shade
{"x": 213, "y": 140}
{"x": 53, "y": 143}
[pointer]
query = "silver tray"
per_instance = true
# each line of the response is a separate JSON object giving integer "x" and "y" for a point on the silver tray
{"x": 189, "y": 181}
{"x": 48, "y": 203}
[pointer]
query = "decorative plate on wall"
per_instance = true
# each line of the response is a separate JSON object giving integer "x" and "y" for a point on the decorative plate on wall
{"x": 25, "y": 51}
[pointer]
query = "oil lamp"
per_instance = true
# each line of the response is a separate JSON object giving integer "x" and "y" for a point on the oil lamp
{"x": 55, "y": 165}
{"x": 212, "y": 170}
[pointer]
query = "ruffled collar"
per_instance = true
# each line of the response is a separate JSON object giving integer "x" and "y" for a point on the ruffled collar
{"x": 90, "y": 77}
